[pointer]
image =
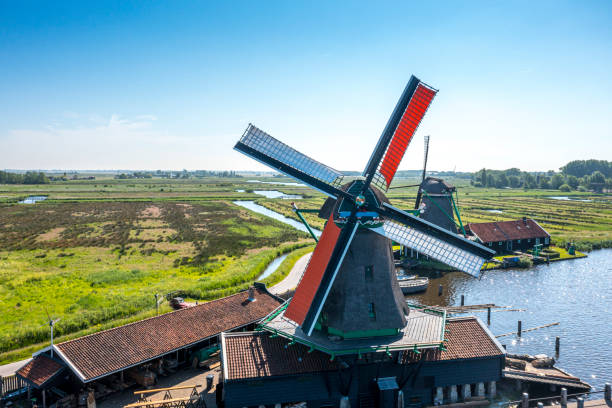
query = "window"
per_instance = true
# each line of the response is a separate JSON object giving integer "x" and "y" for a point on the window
{"x": 500, "y": 243}
{"x": 518, "y": 241}
{"x": 490, "y": 244}
{"x": 369, "y": 272}
{"x": 371, "y": 311}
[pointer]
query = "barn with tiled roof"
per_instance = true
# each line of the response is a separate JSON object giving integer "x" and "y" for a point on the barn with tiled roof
{"x": 508, "y": 236}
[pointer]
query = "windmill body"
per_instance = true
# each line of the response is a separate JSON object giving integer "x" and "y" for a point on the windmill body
{"x": 348, "y": 300}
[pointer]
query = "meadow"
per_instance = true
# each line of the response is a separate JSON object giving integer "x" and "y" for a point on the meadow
{"x": 97, "y": 251}
{"x": 97, "y": 260}
{"x": 586, "y": 223}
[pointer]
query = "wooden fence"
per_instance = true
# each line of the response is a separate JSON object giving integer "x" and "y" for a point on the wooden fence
{"x": 10, "y": 383}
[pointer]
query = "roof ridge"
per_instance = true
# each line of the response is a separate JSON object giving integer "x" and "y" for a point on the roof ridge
{"x": 154, "y": 317}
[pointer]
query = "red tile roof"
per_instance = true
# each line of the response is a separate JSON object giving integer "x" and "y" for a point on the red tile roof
{"x": 103, "y": 353}
{"x": 466, "y": 338}
{"x": 507, "y": 230}
{"x": 253, "y": 355}
{"x": 39, "y": 370}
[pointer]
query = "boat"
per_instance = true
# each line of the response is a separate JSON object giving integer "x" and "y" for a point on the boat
{"x": 413, "y": 285}
{"x": 403, "y": 277}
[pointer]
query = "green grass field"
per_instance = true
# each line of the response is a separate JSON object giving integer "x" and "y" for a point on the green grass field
{"x": 96, "y": 252}
{"x": 97, "y": 261}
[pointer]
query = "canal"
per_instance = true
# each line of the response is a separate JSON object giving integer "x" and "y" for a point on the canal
{"x": 576, "y": 293}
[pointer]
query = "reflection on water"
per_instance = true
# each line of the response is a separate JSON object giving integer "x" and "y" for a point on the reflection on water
{"x": 272, "y": 267}
{"x": 279, "y": 183}
{"x": 495, "y": 211}
{"x": 576, "y": 293}
{"x": 33, "y": 199}
{"x": 277, "y": 194}
{"x": 272, "y": 214}
{"x": 565, "y": 198}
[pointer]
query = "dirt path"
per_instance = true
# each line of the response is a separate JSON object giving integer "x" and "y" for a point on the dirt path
{"x": 291, "y": 281}
{"x": 9, "y": 369}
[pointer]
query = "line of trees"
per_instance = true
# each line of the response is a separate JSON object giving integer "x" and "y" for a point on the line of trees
{"x": 30, "y": 177}
{"x": 573, "y": 176}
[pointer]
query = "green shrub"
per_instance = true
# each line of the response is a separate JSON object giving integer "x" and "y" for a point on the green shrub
{"x": 565, "y": 188}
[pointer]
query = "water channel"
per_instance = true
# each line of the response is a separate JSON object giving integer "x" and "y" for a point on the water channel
{"x": 32, "y": 199}
{"x": 576, "y": 293}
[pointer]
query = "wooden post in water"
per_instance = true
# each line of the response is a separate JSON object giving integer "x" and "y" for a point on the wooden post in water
{"x": 564, "y": 397}
{"x": 557, "y": 345}
{"x": 540, "y": 405}
{"x": 488, "y": 316}
{"x": 580, "y": 401}
{"x": 440, "y": 289}
{"x": 525, "y": 400}
{"x": 608, "y": 392}
{"x": 519, "y": 330}
{"x": 462, "y": 300}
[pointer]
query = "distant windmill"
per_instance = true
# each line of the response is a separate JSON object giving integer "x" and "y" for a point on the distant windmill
{"x": 51, "y": 324}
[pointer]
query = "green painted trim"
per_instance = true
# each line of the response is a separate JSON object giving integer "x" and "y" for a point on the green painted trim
{"x": 298, "y": 212}
{"x": 358, "y": 334}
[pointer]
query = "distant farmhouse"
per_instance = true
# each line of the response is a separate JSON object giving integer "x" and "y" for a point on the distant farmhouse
{"x": 508, "y": 236}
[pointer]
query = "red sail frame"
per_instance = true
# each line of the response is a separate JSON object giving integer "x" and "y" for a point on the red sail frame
{"x": 405, "y": 130}
{"x": 311, "y": 280}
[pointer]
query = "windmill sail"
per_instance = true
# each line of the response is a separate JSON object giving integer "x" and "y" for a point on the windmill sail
{"x": 264, "y": 148}
{"x": 398, "y": 133}
{"x": 431, "y": 240}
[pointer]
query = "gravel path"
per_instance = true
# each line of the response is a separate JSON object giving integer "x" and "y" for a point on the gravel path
{"x": 291, "y": 281}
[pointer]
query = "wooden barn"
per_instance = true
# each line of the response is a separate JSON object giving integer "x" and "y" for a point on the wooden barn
{"x": 113, "y": 356}
{"x": 508, "y": 236}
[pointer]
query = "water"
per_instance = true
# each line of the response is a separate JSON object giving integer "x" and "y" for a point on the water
{"x": 495, "y": 211}
{"x": 272, "y": 267}
{"x": 577, "y": 293}
{"x": 277, "y": 183}
{"x": 33, "y": 199}
{"x": 566, "y": 198}
{"x": 277, "y": 194}
{"x": 250, "y": 205}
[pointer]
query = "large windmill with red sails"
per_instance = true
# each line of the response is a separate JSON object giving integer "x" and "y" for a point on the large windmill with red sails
{"x": 348, "y": 300}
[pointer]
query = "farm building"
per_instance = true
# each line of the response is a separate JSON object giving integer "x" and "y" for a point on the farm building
{"x": 508, "y": 236}
{"x": 112, "y": 356}
{"x": 261, "y": 368}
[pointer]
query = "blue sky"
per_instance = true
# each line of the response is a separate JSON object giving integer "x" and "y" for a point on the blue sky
{"x": 172, "y": 85}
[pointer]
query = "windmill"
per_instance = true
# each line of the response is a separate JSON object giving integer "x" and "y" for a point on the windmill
{"x": 349, "y": 289}
{"x": 51, "y": 324}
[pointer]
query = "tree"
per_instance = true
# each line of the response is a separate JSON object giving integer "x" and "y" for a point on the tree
{"x": 556, "y": 181}
{"x": 597, "y": 177}
{"x": 580, "y": 168}
{"x": 544, "y": 183}
{"x": 483, "y": 177}
{"x": 572, "y": 181}
{"x": 565, "y": 188}
{"x": 490, "y": 180}
{"x": 502, "y": 181}
{"x": 514, "y": 181}
{"x": 529, "y": 181}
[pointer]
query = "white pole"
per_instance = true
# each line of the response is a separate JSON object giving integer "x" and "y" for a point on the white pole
{"x": 51, "y": 339}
